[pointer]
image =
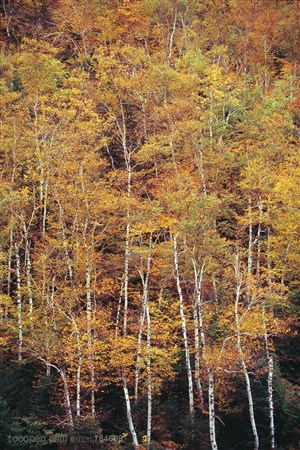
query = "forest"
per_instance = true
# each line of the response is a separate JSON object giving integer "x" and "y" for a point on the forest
{"x": 150, "y": 224}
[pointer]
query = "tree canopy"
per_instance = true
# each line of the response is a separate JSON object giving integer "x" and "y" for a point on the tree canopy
{"x": 150, "y": 225}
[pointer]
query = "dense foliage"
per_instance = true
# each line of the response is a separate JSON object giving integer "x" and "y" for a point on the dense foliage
{"x": 150, "y": 223}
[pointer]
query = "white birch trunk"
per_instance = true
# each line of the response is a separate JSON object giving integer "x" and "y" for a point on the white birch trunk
{"x": 139, "y": 353}
{"x": 48, "y": 367}
{"x": 145, "y": 281}
{"x": 19, "y": 305}
{"x": 270, "y": 395}
{"x": 67, "y": 399}
{"x": 127, "y": 255}
{"x": 119, "y": 310}
{"x": 269, "y": 356}
{"x": 89, "y": 331}
{"x": 125, "y": 317}
{"x": 45, "y": 302}
{"x": 64, "y": 238}
{"x": 78, "y": 386}
{"x": 172, "y": 37}
{"x": 45, "y": 207}
{"x": 9, "y": 265}
{"x": 211, "y": 119}
{"x": 51, "y": 303}
{"x": 149, "y": 379}
{"x": 270, "y": 400}
{"x": 41, "y": 206}
{"x": 127, "y": 158}
{"x": 184, "y": 331}
{"x": 241, "y": 353}
{"x": 211, "y": 409}
{"x": 250, "y": 249}
{"x": 197, "y": 357}
{"x": 260, "y": 207}
{"x": 211, "y": 397}
{"x": 71, "y": 317}
{"x": 78, "y": 371}
{"x": 198, "y": 330}
{"x": 128, "y": 411}
{"x": 28, "y": 279}
{"x": 270, "y": 383}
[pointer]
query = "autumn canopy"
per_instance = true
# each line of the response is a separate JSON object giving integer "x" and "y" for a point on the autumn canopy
{"x": 150, "y": 224}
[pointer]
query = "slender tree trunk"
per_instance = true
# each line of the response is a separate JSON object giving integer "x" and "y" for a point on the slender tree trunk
{"x": 211, "y": 135}
{"x": 48, "y": 367}
{"x": 52, "y": 306}
{"x": 197, "y": 357}
{"x": 127, "y": 253}
{"x": 241, "y": 353}
{"x": 125, "y": 317}
{"x": 79, "y": 365}
{"x": 145, "y": 282}
{"x": 78, "y": 378}
{"x": 127, "y": 158}
{"x": 211, "y": 406}
{"x": 211, "y": 397}
{"x": 61, "y": 370}
{"x": 46, "y": 303}
{"x": 250, "y": 250}
{"x": 269, "y": 356}
{"x": 78, "y": 371}
{"x": 270, "y": 384}
{"x": 41, "y": 163}
{"x": 184, "y": 331}
{"x": 28, "y": 278}
{"x": 260, "y": 207}
{"x": 198, "y": 331}
{"x": 119, "y": 310}
{"x": 250, "y": 399}
{"x": 146, "y": 312}
{"x": 67, "y": 399}
{"x": 89, "y": 331}
{"x": 149, "y": 378}
{"x": 19, "y": 304}
{"x": 128, "y": 410}
{"x": 7, "y": 19}
{"x": 46, "y": 184}
{"x": 172, "y": 37}
{"x": 139, "y": 352}
{"x": 64, "y": 238}
{"x": 9, "y": 266}
{"x": 41, "y": 205}
{"x": 270, "y": 277}
{"x": 270, "y": 400}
